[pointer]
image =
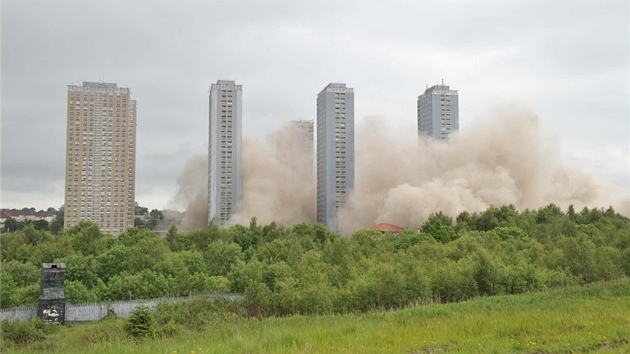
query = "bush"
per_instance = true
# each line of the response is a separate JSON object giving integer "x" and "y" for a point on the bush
{"x": 141, "y": 323}
{"x": 170, "y": 329}
{"x": 197, "y": 314}
{"x": 22, "y": 333}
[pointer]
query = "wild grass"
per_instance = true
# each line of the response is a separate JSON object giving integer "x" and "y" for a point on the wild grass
{"x": 595, "y": 318}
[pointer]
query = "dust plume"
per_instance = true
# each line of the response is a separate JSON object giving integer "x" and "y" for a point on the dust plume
{"x": 278, "y": 182}
{"x": 192, "y": 193}
{"x": 278, "y": 179}
{"x": 501, "y": 159}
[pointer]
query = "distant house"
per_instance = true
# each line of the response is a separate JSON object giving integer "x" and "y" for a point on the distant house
{"x": 22, "y": 216}
{"x": 384, "y": 227}
{"x": 41, "y": 215}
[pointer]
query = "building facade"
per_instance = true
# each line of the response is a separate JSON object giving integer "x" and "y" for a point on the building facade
{"x": 100, "y": 156}
{"x": 438, "y": 112}
{"x": 335, "y": 151}
{"x": 224, "y": 151}
{"x": 307, "y": 131}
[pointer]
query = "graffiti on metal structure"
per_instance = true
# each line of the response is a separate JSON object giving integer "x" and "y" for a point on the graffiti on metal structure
{"x": 51, "y": 316}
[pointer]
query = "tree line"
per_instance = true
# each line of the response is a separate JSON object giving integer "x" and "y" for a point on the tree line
{"x": 306, "y": 269}
{"x": 143, "y": 218}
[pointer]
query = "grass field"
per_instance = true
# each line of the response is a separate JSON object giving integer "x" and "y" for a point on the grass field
{"x": 595, "y": 319}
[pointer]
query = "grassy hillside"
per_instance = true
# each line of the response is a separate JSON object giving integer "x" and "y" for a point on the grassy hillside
{"x": 594, "y": 318}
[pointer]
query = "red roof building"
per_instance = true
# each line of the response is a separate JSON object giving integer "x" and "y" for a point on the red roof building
{"x": 383, "y": 227}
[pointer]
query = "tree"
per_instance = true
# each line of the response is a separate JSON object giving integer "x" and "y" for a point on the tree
{"x": 155, "y": 216}
{"x": 133, "y": 235}
{"x": 81, "y": 268}
{"x": 87, "y": 238}
{"x": 242, "y": 236}
{"x": 147, "y": 253}
{"x": 139, "y": 210}
{"x": 114, "y": 261}
{"x": 40, "y": 224}
{"x": 141, "y": 323}
{"x": 146, "y": 284}
{"x": 7, "y": 290}
{"x": 10, "y": 224}
{"x": 51, "y": 250}
{"x": 57, "y": 224}
{"x": 464, "y": 221}
{"x": 440, "y": 227}
{"x": 485, "y": 273}
{"x": 547, "y": 214}
{"x": 171, "y": 238}
{"x": 22, "y": 273}
{"x": 77, "y": 293}
{"x": 33, "y": 236}
{"x": 221, "y": 256}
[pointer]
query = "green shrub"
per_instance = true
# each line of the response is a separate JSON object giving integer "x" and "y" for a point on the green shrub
{"x": 170, "y": 329}
{"x": 23, "y": 333}
{"x": 141, "y": 323}
{"x": 196, "y": 314}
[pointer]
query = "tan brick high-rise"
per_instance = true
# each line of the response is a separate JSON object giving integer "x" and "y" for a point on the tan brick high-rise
{"x": 100, "y": 156}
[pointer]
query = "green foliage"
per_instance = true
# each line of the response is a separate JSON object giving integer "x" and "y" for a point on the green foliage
{"x": 196, "y": 314}
{"x": 21, "y": 273}
{"x": 171, "y": 238}
{"x": 147, "y": 252}
{"x": 7, "y": 291}
{"x": 19, "y": 284}
{"x": 243, "y": 236}
{"x": 56, "y": 226}
{"x": 77, "y": 293}
{"x": 146, "y": 284}
{"x": 273, "y": 251}
{"x": 306, "y": 269}
{"x": 32, "y": 236}
{"x": 133, "y": 235}
{"x": 566, "y": 320}
{"x": 201, "y": 238}
{"x": 486, "y": 274}
{"x": 23, "y": 333}
{"x": 440, "y": 227}
{"x": 506, "y": 232}
{"x": 113, "y": 261}
{"x": 407, "y": 238}
{"x": 10, "y": 225}
{"x": 86, "y": 237}
{"x": 80, "y": 268}
{"x": 40, "y": 225}
{"x": 141, "y": 323}
{"x": 140, "y": 210}
{"x": 217, "y": 284}
{"x": 26, "y": 295}
{"x": 51, "y": 250}
{"x": 156, "y": 214}
{"x": 221, "y": 256}
{"x": 367, "y": 239}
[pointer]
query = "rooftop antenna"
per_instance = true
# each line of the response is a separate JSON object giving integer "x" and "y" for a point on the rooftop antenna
{"x": 442, "y": 81}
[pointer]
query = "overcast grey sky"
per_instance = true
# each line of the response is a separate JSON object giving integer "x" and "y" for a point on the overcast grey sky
{"x": 566, "y": 60}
